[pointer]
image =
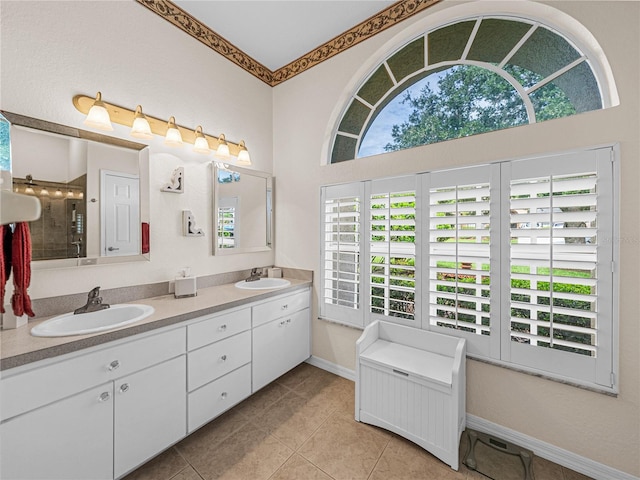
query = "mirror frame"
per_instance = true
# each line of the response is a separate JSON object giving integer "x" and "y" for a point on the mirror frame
{"x": 268, "y": 234}
{"x": 143, "y": 163}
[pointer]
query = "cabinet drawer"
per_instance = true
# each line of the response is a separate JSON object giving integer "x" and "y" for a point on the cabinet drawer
{"x": 214, "y": 398}
{"x": 216, "y": 327}
{"x": 280, "y": 307}
{"x": 215, "y": 360}
{"x": 31, "y": 389}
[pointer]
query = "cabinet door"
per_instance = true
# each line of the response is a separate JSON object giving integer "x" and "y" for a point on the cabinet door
{"x": 278, "y": 346}
{"x": 150, "y": 413}
{"x": 69, "y": 439}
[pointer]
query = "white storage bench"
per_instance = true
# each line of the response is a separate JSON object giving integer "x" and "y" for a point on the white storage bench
{"x": 412, "y": 382}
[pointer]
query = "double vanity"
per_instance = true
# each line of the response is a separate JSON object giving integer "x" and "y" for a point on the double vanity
{"x": 97, "y": 406}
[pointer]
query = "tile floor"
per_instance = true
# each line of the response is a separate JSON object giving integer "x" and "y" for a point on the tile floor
{"x": 301, "y": 427}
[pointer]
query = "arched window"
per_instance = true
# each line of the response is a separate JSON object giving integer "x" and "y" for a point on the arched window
{"x": 473, "y": 76}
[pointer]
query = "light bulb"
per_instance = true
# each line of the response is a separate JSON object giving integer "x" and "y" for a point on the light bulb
{"x": 223, "y": 148}
{"x": 243, "y": 155}
{"x": 173, "y": 138}
{"x": 201, "y": 144}
{"x": 141, "y": 127}
{"x": 98, "y": 116}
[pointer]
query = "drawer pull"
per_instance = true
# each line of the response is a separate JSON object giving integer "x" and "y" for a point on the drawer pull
{"x": 124, "y": 388}
{"x": 288, "y": 320}
{"x": 222, "y": 328}
{"x": 223, "y": 358}
{"x": 113, "y": 365}
{"x": 284, "y": 307}
{"x": 405, "y": 374}
{"x": 224, "y": 395}
{"x": 104, "y": 396}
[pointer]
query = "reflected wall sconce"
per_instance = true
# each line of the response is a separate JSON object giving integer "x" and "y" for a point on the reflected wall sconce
{"x": 100, "y": 114}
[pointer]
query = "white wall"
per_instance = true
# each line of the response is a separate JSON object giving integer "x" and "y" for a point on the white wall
{"x": 51, "y": 51}
{"x": 592, "y": 425}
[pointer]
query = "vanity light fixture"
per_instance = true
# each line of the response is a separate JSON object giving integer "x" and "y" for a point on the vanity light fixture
{"x": 173, "y": 134}
{"x": 223, "y": 148}
{"x": 29, "y": 190}
{"x": 243, "y": 155}
{"x": 141, "y": 127}
{"x": 58, "y": 193}
{"x": 173, "y": 138}
{"x": 201, "y": 145}
{"x": 98, "y": 115}
{"x": 44, "y": 192}
{"x": 70, "y": 194}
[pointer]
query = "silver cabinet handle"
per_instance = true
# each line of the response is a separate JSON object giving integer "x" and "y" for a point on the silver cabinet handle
{"x": 223, "y": 358}
{"x": 283, "y": 323}
{"x": 288, "y": 320}
{"x": 104, "y": 396}
{"x": 284, "y": 307}
{"x": 222, "y": 328}
{"x": 224, "y": 395}
{"x": 124, "y": 388}
{"x": 113, "y": 365}
{"x": 112, "y": 249}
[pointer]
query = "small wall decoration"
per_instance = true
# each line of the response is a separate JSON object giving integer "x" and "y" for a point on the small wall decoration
{"x": 189, "y": 228}
{"x": 176, "y": 185}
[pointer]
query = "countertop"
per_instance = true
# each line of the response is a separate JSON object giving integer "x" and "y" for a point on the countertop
{"x": 18, "y": 347}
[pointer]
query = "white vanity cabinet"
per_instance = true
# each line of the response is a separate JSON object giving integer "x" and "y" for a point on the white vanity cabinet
{"x": 149, "y": 412}
{"x": 71, "y": 439}
{"x": 281, "y": 336}
{"x": 61, "y": 419}
{"x": 99, "y": 413}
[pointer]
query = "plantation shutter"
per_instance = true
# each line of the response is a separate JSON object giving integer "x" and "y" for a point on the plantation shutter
{"x": 463, "y": 255}
{"x": 392, "y": 250}
{"x": 341, "y": 253}
{"x": 560, "y": 252}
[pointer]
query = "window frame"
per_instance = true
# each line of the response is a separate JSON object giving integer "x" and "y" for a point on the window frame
{"x": 498, "y": 348}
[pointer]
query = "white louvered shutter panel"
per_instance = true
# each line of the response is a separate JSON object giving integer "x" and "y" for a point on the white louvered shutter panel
{"x": 392, "y": 250}
{"x": 341, "y": 253}
{"x": 463, "y": 255}
{"x": 560, "y": 230}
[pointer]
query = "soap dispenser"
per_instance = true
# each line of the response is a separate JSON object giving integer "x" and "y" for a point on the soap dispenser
{"x": 185, "y": 284}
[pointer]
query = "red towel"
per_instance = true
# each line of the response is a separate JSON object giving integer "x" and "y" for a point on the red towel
{"x": 21, "y": 263}
{"x": 145, "y": 237}
{"x": 5, "y": 261}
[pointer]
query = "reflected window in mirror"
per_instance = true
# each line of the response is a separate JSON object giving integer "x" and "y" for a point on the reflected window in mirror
{"x": 242, "y": 210}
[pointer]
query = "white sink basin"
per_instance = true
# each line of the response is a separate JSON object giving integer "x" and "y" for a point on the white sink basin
{"x": 92, "y": 322}
{"x": 263, "y": 284}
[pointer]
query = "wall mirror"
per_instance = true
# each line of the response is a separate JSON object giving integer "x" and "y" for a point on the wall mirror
{"x": 94, "y": 192}
{"x": 243, "y": 210}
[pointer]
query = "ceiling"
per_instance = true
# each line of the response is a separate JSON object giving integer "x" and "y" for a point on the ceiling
{"x": 275, "y": 40}
{"x": 276, "y": 33}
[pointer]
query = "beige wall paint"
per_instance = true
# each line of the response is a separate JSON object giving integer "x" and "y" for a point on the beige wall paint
{"x": 51, "y": 51}
{"x": 592, "y": 425}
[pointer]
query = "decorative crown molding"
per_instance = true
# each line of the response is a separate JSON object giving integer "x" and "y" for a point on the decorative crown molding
{"x": 375, "y": 24}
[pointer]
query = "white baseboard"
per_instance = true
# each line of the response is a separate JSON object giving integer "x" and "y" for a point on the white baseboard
{"x": 550, "y": 452}
{"x": 332, "y": 367}
{"x": 542, "y": 449}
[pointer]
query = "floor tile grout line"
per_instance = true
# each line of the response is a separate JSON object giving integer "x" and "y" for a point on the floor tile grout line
{"x": 373, "y": 469}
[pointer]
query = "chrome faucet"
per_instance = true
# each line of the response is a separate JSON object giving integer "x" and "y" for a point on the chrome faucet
{"x": 255, "y": 275}
{"x": 94, "y": 303}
